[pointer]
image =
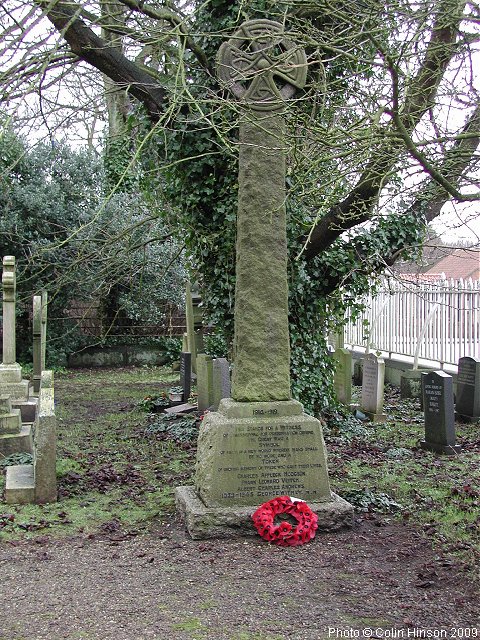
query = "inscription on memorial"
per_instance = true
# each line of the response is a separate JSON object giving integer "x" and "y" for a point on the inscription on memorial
{"x": 433, "y": 393}
{"x": 272, "y": 465}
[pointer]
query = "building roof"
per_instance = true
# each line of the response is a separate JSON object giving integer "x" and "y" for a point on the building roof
{"x": 461, "y": 263}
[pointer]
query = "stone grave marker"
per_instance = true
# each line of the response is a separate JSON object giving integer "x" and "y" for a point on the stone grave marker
{"x": 373, "y": 381}
{"x": 437, "y": 391}
{"x": 37, "y": 342}
{"x": 11, "y": 382}
{"x": 191, "y": 343}
{"x": 260, "y": 444}
{"x": 43, "y": 335}
{"x": 186, "y": 374}
{"x": 221, "y": 381}
{"x": 467, "y": 406}
{"x": 15, "y": 437}
{"x": 193, "y": 313}
{"x": 204, "y": 381}
{"x": 343, "y": 375}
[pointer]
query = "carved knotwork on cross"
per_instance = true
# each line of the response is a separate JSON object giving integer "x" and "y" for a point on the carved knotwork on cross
{"x": 260, "y": 66}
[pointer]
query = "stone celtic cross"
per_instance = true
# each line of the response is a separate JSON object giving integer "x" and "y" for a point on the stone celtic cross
{"x": 262, "y": 68}
{"x": 257, "y": 58}
{"x": 259, "y": 443}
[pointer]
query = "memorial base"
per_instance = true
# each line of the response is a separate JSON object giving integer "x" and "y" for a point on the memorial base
{"x": 204, "y": 522}
{"x": 10, "y": 423}
{"x": 446, "y": 449}
{"x": 21, "y": 442}
{"x": 466, "y": 419}
{"x": 249, "y": 453}
{"x": 374, "y": 417}
{"x": 11, "y": 383}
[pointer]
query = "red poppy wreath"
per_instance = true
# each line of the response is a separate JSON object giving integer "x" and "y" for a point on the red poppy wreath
{"x": 284, "y": 534}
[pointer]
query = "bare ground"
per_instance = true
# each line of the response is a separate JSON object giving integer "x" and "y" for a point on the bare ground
{"x": 382, "y": 579}
{"x": 129, "y": 585}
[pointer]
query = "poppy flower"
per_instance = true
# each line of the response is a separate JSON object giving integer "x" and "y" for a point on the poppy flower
{"x": 284, "y": 534}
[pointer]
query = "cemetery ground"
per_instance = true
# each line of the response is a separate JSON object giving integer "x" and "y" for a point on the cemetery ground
{"x": 110, "y": 560}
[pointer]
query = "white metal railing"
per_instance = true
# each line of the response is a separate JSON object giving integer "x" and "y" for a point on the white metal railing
{"x": 437, "y": 321}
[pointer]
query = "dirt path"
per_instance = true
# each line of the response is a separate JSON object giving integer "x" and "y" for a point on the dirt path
{"x": 131, "y": 586}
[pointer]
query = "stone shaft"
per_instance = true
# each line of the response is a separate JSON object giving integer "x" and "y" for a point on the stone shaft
{"x": 9, "y": 290}
{"x": 37, "y": 342}
{"x": 43, "y": 351}
{"x": 261, "y": 346}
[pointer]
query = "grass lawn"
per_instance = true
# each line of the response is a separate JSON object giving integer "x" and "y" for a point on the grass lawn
{"x": 117, "y": 465}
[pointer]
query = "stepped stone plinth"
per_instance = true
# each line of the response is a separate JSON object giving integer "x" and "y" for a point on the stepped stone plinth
{"x": 10, "y": 419}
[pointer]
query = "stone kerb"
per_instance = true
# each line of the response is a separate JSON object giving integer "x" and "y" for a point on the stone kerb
{"x": 37, "y": 483}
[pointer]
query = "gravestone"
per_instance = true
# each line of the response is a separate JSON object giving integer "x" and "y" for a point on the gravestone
{"x": 260, "y": 444}
{"x": 15, "y": 437}
{"x": 11, "y": 382}
{"x": 43, "y": 335}
{"x": 204, "y": 381}
{"x": 186, "y": 374}
{"x": 191, "y": 343}
{"x": 221, "y": 381}
{"x": 467, "y": 406}
{"x": 193, "y": 313}
{"x": 37, "y": 342}
{"x": 373, "y": 381}
{"x": 437, "y": 391}
{"x": 343, "y": 375}
{"x": 411, "y": 384}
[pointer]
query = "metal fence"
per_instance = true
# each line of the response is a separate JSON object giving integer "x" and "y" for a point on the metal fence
{"x": 437, "y": 321}
{"x": 89, "y": 321}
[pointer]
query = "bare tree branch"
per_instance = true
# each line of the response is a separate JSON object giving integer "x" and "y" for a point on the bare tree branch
{"x": 107, "y": 59}
{"x": 357, "y": 207}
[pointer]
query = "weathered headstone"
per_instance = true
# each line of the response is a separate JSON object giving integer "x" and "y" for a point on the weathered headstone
{"x": 204, "y": 381}
{"x": 186, "y": 374}
{"x": 37, "y": 342}
{"x": 467, "y": 406}
{"x": 191, "y": 343}
{"x": 221, "y": 381}
{"x": 43, "y": 335}
{"x": 11, "y": 382}
{"x": 343, "y": 375}
{"x": 260, "y": 444}
{"x": 198, "y": 319}
{"x": 437, "y": 390}
{"x": 15, "y": 437}
{"x": 193, "y": 313}
{"x": 411, "y": 384}
{"x": 373, "y": 381}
